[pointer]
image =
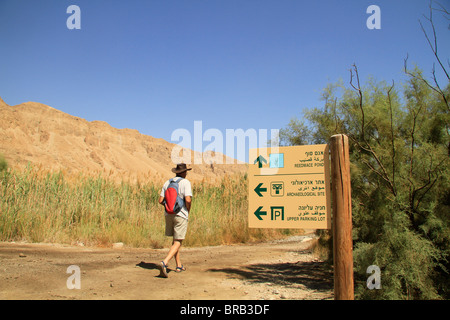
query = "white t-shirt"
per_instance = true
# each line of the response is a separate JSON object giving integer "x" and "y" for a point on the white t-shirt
{"x": 184, "y": 190}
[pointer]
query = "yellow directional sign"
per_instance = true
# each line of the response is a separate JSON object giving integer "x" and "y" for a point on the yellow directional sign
{"x": 289, "y": 187}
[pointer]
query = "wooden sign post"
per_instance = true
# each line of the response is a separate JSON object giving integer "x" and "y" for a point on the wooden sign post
{"x": 342, "y": 218}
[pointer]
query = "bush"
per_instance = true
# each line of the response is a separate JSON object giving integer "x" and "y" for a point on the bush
{"x": 400, "y": 176}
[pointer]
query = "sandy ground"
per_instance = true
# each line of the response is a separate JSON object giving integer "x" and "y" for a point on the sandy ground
{"x": 273, "y": 270}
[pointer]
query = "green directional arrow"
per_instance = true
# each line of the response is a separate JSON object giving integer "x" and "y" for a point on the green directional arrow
{"x": 259, "y": 213}
{"x": 258, "y": 190}
{"x": 260, "y": 161}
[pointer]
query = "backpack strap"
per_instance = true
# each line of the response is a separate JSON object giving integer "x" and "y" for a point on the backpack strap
{"x": 177, "y": 181}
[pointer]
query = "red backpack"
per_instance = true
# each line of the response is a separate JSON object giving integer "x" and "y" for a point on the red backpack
{"x": 172, "y": 201}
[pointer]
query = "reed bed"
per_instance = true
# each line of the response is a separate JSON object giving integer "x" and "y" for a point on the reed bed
{"x": 41, "y": 206}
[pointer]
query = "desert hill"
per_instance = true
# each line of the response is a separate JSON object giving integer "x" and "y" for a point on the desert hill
{"x": 35, "y": 133}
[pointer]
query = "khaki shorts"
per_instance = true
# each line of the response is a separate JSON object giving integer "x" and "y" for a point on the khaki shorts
{"x": 176, "y": 226}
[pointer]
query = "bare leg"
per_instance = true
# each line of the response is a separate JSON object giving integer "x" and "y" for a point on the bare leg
{"x": 177, "y": 257}
{"x": 174, "y": 252}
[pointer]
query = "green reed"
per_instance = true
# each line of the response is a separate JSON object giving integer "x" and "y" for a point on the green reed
{"x": 40, "y": 206}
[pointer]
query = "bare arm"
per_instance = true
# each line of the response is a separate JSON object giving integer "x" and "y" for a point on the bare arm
{"x": 161, "y": 200}
{"x": 188, "y": 201}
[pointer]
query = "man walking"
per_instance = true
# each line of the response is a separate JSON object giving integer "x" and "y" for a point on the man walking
{"x": 176, "y": 223}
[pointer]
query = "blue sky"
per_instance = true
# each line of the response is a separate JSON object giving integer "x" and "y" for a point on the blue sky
{"x": 156, "y": 66}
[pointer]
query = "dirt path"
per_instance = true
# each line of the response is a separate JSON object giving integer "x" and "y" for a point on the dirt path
{"x": 273, "y": 270}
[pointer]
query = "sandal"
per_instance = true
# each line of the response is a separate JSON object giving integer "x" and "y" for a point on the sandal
{"x": 163, "y": 270}
{"x": 179, "y": 269}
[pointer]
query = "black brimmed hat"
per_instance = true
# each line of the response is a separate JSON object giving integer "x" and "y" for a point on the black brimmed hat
{"x": 181, "y": 167}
